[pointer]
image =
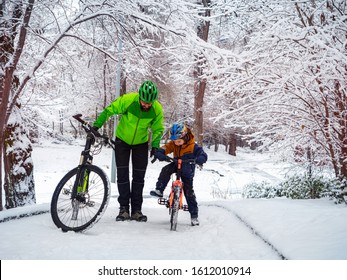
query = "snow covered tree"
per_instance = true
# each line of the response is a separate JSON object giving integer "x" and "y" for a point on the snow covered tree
{"x": 15, "y": 149}
{"x": 287, "y": 82}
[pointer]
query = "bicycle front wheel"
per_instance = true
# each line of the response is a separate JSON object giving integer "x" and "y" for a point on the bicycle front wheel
{"x": 82, "y": 213}
{"x": 175, "y": 207}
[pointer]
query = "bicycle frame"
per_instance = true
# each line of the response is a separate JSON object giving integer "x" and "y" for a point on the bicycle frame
{"x": 175, "y": 201}
{"x": 177, "y": 184}
{"x": 80, "y": 188}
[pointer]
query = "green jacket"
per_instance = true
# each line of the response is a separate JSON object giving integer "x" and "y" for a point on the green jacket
{"x": 134, "y": 123}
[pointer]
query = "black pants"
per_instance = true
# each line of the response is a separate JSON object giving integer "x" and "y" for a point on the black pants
{"x": 139, "y": 157}
{"x": 164, "y": 178}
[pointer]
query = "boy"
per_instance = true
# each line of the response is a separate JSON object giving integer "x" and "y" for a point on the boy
{"x": 183, "y": 146}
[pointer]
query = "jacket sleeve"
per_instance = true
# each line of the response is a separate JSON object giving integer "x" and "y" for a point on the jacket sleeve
{"x": 168, "y": 147}
{"x": 200, "y": 155}
{"x": 157, "y": 127}
{"x": 115, "y": 108}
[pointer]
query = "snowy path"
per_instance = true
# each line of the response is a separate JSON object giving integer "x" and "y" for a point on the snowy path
{"x": 220, "y": 234}
{"x": 230, "y": 228}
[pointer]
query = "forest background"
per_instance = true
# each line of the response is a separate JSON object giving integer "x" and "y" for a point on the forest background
{"x": 267, "y": 74}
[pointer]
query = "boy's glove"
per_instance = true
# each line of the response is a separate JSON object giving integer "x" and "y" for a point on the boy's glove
{"x": 153, "y": 151}
{"x": 200, "y": 160}
{"x": 160, "y": 154}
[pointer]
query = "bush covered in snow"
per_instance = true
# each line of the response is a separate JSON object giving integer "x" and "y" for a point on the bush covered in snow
{"x": 260, "y": 190}
{"x": 338, "y": 190}
{"x": 299, "y": 187}
{"x": 305, "y": 187}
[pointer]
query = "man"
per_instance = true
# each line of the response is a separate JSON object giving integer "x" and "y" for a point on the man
{"x": 140, "y": 111}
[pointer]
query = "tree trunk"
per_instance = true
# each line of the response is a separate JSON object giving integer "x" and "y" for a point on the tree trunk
{"x": 200, "y": 84}
{"x": 16, "y": 27}
{"x": 1, "y": 153}
{"x": 199, "y": 117}
{"x": 341, "y": 104}
{"x": 61, "y": 122}
{"x": 18, "y": 165}
{"x": 232, "y": 144}
{"x": 216, "y": 141}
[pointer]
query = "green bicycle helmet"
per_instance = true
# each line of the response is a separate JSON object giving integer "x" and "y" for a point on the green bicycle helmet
{"x": 148, "y": 92}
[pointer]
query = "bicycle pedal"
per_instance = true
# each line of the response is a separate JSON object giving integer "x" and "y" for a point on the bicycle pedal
{"x": 162, "y": 201}
{"x": 185, "y": 208}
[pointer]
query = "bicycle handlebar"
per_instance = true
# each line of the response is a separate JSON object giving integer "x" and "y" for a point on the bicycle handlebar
{"x": 88, "y": 128}
{"x": 171, "y": 159}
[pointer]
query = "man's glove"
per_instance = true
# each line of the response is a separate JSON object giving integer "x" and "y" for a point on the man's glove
{"x": 91, "y": 136}
{"x": 160, "y": 154}
{"x": 153, "y": 151}
{"x": 94, "y": 131}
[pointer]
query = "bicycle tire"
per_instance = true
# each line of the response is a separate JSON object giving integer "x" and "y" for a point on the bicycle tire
{"x": 175, "y": 207}
{"x": 90, "y": 211}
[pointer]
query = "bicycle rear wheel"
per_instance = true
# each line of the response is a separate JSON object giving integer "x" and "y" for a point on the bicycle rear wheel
{"x": 175, "y": 207}
{"x": 82, "y": 213}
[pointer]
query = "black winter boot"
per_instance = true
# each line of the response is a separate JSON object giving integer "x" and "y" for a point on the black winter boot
{"x": 123, "y": 214}
{"x": 138, "y": 216}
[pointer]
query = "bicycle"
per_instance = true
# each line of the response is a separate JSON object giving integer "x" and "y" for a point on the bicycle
{"x": 82, "y": 195}
{"x": 175, "y": 199}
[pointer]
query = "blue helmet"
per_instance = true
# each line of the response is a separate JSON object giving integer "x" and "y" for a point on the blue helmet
{"x": 177, "y": 131}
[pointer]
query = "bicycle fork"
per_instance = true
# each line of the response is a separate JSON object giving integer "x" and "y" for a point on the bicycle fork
{"x": 80, "y": 188}
{"x": 169, "y": 202}
{"x": 79, "y": 192}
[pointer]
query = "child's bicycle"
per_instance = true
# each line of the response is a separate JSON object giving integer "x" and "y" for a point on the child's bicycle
{"x": 175, "y": 200}
{"x": 81, "y": 197}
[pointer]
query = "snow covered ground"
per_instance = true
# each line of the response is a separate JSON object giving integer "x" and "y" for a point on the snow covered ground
{"x": 232, "y": 230}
